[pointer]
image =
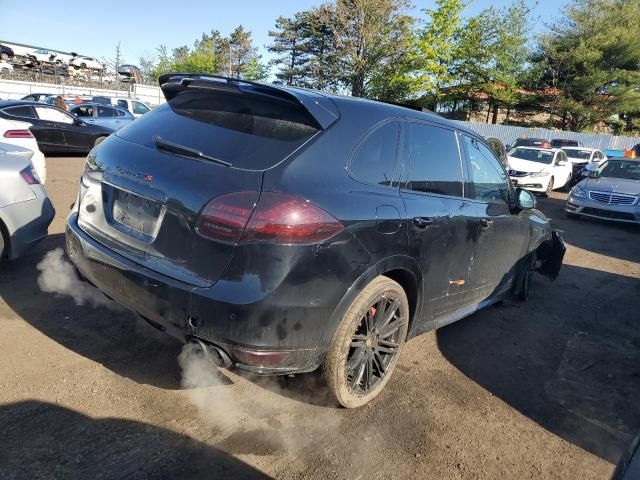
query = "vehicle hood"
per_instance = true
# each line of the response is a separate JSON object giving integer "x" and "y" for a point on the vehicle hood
{"x": 615, "y": 185}
{"x": 525, "y": 165}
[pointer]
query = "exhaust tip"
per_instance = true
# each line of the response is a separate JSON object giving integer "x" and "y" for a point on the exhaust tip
{"x": 215, "y": 354}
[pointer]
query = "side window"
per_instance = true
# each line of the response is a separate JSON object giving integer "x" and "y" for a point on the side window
{"x": 435, "y": 161}
{"x": 53, "y": 115}
{"x": 139, "y": 108}
{"x": 123, "y": 104}
{"x": 489, "y": 182}
{"x": 106, "y": 112}
{"x": 83, "y": 111}
{"x": 375, "y": 161}
{"x": 23, "y": 112}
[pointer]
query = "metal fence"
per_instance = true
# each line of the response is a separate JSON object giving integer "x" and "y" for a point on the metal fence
{"x": 508, "y": 134}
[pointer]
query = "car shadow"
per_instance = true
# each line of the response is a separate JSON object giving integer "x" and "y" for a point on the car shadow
{"x": 615, "y": 240}
{"x": 116, "y": 339}
{"x": 42, "y": 440}
{"x": 569, "y": 362}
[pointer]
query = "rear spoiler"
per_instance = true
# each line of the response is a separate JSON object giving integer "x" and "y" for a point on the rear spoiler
{"x": 321, "y": 108}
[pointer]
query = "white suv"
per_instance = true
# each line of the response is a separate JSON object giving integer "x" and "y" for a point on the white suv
{"x": 87, "y": 62}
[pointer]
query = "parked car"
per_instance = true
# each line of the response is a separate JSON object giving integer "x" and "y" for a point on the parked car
{"x": 561, "y": 142}
{"x": 16, "y": 133}
{"x": 610, "y": 192}
{"x": 6, "y": 53}
{"x": 101, "y": 99}
{"x": 37, "y": 97}
{"x": 130, "y": 73}
{"x": 87, "y": 62}
{"x": 5, "y": 67}
{"x": 539, "y": 169}
{"x": 25, "y": 209}
{"x": 136, "y": 107}
{"x": 580, "y": 157}
{"x": 105, "y": 115}
{"x": 531, "y": 142}
{"x": 43, "y": 55}
{"x": 207, "y": 217}
{"x": 499, "y": 149}
{"x": 54, "y": 129}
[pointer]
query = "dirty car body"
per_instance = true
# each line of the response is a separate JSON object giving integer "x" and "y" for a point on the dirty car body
{"x": 250, "y": 216}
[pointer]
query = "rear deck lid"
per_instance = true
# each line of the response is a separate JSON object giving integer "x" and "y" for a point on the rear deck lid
{"x": 145, "y": 187}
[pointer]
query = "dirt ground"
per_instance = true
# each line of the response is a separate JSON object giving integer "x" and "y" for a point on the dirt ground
{"x": 546, "y": 389}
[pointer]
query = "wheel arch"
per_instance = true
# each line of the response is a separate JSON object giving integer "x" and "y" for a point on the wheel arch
{"x": 400, "y": 268}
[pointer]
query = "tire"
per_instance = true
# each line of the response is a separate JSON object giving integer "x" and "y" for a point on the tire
{"x": 2, "y": 252}
{"x": 4, "y": 56}
{"x": 98, "y": 141}
{"x": 374, "y": 357}
{"x": 549, "y": 189}
{"x": 522, "y": 284}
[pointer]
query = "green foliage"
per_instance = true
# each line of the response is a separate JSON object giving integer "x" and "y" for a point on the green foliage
{"x": 592, "y": 57}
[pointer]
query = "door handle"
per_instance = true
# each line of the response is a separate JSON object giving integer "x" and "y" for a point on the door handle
{"x": 485, "y": 223}
{"x": 422, "y": 222}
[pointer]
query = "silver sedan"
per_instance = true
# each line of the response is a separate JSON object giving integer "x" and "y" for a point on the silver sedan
{"x": 104, "y": 115}
{"x": 611, "y": 192}
{"x": 25, "y": 209}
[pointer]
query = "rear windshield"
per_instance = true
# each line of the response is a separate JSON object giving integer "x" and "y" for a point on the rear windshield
{"x": 250, "y": 131}
{"x": 540, "y": 156}
{"x": 580, "y": 154}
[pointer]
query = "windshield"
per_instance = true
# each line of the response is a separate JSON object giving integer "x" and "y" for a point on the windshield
{"x": 629, "y": 170}
{"x": 540, "y": 156}
{"x": 580, "y": 154}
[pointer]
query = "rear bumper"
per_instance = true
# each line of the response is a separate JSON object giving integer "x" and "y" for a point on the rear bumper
{"x": 235, "y": 316}
{"x": 28, "y": 223}
{"x": 589, "y": 208}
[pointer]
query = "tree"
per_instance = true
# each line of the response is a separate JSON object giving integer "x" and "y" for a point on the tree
{"x": 147, "y": 64}
{"x": 492, "y": 55}
{"x": 436, "y": 48}
{"x": 370, "y": 37}
{"x": 592, "y": 56}
{"x": 289, "y": 44}
{"x": 241, "y": 51}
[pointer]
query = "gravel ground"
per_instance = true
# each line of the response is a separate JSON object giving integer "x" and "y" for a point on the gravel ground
{"x": 546, "y": 389}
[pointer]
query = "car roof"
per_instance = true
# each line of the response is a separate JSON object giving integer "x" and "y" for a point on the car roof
{"x": 327, "y": 111}
{"x": 580, "y": 148}
{"x": 538, "y": 148}
{"x": 12, "y": 103}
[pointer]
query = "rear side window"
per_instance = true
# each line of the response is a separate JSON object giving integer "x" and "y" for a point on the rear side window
{"x": 139, "y": 108}
{"x": 122, "y": 104}
{"x": 435, "y": 161}
{"x": 254, "y": 131}
{"x": 106, "y": 112}
{"x": 375, "y": 161}
{"x": 24, "y": 111}
{"x": 489, "y": 181}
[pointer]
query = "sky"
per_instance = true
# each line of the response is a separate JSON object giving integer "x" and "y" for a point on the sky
{"x": 93, "y": 28}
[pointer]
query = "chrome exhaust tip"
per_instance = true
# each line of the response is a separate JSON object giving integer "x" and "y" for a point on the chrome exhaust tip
{"x": 215, "y": 354}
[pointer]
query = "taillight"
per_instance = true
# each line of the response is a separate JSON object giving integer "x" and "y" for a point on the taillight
{"x": 18, "y": 134}
{"x": 277, "y": 218}
{"x": 30, "y": 176}
{"x": 225, "y": 217}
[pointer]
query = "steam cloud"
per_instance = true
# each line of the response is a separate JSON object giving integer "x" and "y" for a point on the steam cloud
{"x": 257, "y": 411}
{"x": 58, "y": 276}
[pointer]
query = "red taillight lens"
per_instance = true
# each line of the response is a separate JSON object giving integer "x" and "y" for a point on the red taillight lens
{"x": 29, "y": 176}
{"x": 18, "y": 134}
{"x": 225, "y": 217}
{"x": 280, "y": 218}
{"x": 259, "y": 358}
{"x": 277, "y": 218}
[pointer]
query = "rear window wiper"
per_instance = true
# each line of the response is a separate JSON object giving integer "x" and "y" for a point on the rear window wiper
{"x": 185, "y": 151}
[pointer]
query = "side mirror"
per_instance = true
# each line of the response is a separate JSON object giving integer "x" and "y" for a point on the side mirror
{"x": 525, "y": 199}
{"x": 79, "y": 123}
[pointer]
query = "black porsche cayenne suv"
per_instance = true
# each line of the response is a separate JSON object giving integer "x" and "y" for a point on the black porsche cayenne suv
{"x": 285, "y": 229}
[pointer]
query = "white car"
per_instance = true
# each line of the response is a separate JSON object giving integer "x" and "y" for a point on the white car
{"x": 14, "y": 132}
{"x": 582, "y": 156}
{"x": 87, "y": 62}
{"x": 539, "y": 169}
{"x": 136, "y": 107}
{"x": 43, "y": 55}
